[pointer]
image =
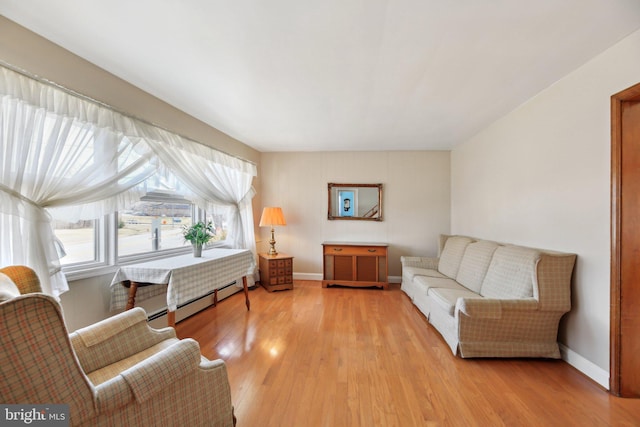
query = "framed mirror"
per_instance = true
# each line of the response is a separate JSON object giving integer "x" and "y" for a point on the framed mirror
{"x": 355, "y": 202}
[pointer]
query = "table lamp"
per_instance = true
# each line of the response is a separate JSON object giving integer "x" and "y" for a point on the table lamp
{"x": 272, "y": 216}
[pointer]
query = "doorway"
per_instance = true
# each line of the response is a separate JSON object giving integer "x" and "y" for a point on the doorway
{"x": 625, "y": 243}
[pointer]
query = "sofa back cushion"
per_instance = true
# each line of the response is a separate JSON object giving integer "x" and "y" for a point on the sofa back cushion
{"x": 452, "y": 254}
{"x": 511, "y": 273}
{"x": 475, "y": 263}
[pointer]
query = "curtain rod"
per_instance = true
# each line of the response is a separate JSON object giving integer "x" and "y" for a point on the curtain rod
{"x": 109, "y": 107}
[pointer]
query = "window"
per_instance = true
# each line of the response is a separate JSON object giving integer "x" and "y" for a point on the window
{"x": 152, "y": 226}
{"x": 78, "y": 241}
{"x": 148, "y": 228}
{"x": 219, "y": 221}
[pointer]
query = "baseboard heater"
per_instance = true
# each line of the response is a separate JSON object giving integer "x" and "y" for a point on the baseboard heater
{"x": 164, "y": 311}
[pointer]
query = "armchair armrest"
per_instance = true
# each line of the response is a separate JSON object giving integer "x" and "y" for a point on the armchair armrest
{"x": 143, "y": 380}
{"x": 420, "y": 262}
{"x": 113, "y": 394}
{"x": 162, "y": 369}
{"x": 490, "y": 308}
{"x": 116, "y": 338}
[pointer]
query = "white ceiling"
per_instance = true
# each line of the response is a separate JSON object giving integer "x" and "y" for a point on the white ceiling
{"x": 297, "y": 75}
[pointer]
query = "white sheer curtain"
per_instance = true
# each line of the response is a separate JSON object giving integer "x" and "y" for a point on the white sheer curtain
{"x": 214, "y": 185}
{"x": 50, "y": 161}
{"x": 60, "y": 151}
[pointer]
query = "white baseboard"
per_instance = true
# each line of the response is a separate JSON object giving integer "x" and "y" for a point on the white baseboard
{"x": 156, "y": 306}
{"x": 318, "y": 276}
{"x": 585, "y": 366}
{"x": 307, "y": 276}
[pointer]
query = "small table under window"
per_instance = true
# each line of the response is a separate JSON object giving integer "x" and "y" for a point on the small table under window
{"x": 186, "y": 278}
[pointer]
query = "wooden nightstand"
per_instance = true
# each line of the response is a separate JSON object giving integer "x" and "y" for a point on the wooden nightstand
{"x": 276, "y": 272}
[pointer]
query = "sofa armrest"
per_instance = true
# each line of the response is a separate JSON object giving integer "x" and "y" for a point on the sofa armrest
{"x": 491, "y": 308}
{"x": 420, "y": 262}
{"x": 116, "y": 338}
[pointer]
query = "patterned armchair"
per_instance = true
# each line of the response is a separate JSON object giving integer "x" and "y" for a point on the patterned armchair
{"x": 116, "y": 372}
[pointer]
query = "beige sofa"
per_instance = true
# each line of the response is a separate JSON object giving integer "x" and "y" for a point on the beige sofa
{"x": 490, "y": 299}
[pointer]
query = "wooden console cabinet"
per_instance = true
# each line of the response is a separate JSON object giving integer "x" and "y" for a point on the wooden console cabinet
{"x": 276, "y": 272}
{"x": 355, "y": 264}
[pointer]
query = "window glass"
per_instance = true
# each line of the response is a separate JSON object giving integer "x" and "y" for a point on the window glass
{"x": 152, "y": 225}
{"x": 219, "y": 221}
{"x": 77, "y": 241}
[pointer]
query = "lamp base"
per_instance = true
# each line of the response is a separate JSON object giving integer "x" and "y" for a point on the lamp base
{"x": 272, "y": 244}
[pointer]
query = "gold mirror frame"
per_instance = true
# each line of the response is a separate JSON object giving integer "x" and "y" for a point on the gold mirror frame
{"x": 351, "y": 202}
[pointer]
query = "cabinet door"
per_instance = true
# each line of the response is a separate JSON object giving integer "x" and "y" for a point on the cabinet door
{"x": 343, "y": 267}
{"x": 367, "y": 268}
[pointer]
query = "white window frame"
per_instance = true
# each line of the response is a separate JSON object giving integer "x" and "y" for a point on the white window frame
{"x": 106, "y": 241}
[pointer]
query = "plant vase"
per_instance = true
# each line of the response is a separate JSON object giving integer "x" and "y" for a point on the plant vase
{"x": 197, "y": 250}
{"x": 198, "y": 234}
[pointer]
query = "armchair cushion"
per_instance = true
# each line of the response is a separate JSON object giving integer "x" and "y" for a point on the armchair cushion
{"x": 107, "y": 328}
{"x": 8, "y": 289}
{"x": 108, "y": 372}
{"x": 98, "y": 347}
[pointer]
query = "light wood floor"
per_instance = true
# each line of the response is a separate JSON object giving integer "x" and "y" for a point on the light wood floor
{"x": 366, "y": 357}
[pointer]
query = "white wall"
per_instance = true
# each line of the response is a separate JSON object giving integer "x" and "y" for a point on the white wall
{"x": 540, "y": 177}
{"x": 415, "y": 202}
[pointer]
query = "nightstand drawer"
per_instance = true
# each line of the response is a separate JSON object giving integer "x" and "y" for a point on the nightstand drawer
{"x": 276, "y": 272}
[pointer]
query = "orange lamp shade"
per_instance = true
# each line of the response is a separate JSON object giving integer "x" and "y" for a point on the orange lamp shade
{"x": 272, "y": 216}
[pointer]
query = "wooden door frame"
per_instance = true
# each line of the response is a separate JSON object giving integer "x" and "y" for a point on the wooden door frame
{"x": 630, "y": 94}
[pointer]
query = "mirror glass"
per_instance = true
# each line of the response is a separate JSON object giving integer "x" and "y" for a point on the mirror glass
{"x": 355, "y": 201}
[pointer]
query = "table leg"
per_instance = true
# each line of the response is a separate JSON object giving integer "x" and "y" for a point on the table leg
{"x": 246, "y": 292}
{"x": 131, "y": 302}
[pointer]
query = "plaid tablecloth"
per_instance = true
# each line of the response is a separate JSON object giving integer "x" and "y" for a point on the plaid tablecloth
{"x": 185, "y": 276}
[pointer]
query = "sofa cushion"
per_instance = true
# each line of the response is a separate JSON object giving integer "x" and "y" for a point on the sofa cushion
{"x": 475, "y": 263}
{"x": 446, "y": 298}
{"x": 425, "y": 283}
{"x": 452, "y": 254}
{"x": 510, "y": 273}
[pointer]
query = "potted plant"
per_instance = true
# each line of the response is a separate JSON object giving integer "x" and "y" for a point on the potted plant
{"x": 198, "y": 234}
